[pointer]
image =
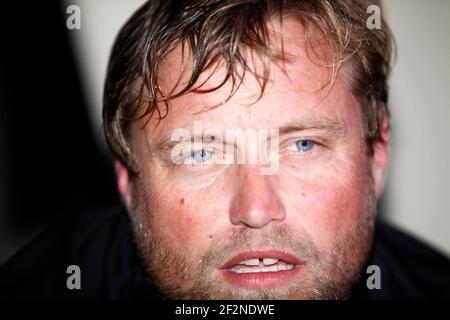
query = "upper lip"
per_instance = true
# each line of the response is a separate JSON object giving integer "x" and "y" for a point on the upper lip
{"x": 277, "y": 254}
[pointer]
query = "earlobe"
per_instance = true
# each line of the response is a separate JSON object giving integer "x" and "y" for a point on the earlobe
{"x": 123, "y": 182}
{"x": 380, "y": 160}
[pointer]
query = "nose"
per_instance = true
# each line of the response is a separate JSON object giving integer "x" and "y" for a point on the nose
{"x": 256, "y": 202}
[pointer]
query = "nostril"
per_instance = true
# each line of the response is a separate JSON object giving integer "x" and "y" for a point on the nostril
{"x": 257, "y": 203}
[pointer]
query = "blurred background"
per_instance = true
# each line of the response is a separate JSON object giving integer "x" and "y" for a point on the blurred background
{"x": 53, "y": 161}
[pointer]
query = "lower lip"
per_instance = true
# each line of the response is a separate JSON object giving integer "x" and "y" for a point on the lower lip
{"x": 261, "y": 279}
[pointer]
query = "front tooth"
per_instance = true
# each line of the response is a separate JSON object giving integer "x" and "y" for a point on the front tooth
{"x": 272, "y": 268}
{"x": 282, "y": 267}
{"x": 250, "y": 262}
{"x": 269, "y": 261}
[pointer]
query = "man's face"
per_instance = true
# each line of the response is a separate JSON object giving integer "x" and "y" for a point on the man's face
{"x": 210, "y": 230}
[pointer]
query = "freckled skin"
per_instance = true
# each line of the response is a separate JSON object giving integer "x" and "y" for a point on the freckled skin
{"x": 328, "y": 196}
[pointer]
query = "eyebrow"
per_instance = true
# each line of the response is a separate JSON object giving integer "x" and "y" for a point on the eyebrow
{"x": 166, "y": 144}
{"x": 333, "y": 128}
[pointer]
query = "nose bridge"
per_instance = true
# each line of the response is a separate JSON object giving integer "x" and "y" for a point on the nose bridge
{"x": 256, "y": 202}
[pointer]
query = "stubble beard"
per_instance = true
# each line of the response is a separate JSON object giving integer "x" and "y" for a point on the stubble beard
{"x": 325, "y": 275}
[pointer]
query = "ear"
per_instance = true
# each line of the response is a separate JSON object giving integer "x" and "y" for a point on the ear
{"x": 380, "y": 160}
{"x": 123, "y": 183}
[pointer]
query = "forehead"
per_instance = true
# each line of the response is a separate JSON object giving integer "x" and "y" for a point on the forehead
{"x": 296, "y": 89}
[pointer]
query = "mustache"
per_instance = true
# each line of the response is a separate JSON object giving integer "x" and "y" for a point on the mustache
{"x": 279, "y": 237}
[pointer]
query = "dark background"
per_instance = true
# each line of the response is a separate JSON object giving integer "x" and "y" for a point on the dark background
{"x": 50, "y": 164}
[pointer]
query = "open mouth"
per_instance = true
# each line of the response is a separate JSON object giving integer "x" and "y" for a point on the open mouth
{"x": 266, "y": 268}
{"x": 261, "y": 265}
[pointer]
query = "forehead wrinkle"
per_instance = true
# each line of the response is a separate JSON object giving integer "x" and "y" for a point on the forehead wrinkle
{"x": 177, "y": 68}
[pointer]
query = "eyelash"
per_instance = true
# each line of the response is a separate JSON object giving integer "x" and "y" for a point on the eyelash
{"x": 203, "y": 151}
{"x": 311, "y": 145}
{"x": 189, "y": 160}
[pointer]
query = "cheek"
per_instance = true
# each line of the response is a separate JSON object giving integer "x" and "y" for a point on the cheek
{"x": 182, "y": 220}
{"x": 328, "y": 205}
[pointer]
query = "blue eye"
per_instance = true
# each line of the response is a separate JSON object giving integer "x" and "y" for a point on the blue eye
{"x": 202, "y": 156}
{"x": 304, "y": 145}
